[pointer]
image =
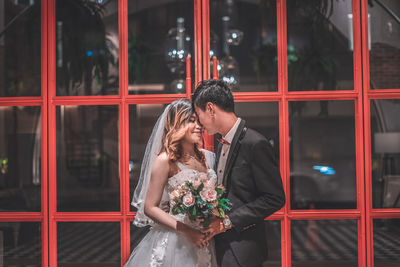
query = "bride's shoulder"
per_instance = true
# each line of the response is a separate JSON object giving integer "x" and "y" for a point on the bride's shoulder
{"x": 162, "y": 160}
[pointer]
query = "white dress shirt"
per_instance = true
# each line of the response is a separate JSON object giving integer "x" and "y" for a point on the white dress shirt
{"x": 225, "y": 151}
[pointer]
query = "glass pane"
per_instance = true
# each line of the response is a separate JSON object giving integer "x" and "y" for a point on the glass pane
{"x": 87, "y": 47}
{"x": 20, "y": 48}
{"x": 320, "y": 45}
{"x": 386, "y": 242}
{"x": 137, "y": 234}
{"x": 88, "y": 158}
{"x": 160, "y": 36}
{"x": 273, "y": 237}
{"x": 20, "y": 158}
{"x": 262, "y": 117}
{"x": 88, "y": 244}
{"x": 327, "y": 243}
{"x": 384, "y": 44}
{"x": 243, "y": 37}
{"x": 385, "y": 148}
{"x": 20, "y": 244}
{"x": 142, "y": 119}
{"x": 322, "y": 155}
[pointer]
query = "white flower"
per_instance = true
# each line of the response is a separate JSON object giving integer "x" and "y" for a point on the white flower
{"x": 210, "y": 184}
{"x": 188, "y": 200}
{"x": 196, "y": 183}
{"x": 174, "y": 195}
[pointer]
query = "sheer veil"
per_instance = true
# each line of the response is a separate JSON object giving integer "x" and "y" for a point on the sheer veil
{"x": 153, "y": 148}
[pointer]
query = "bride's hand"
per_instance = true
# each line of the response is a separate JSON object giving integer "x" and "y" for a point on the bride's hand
{"x": 196, "y": 237}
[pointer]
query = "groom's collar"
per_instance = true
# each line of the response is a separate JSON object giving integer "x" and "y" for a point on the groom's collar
{"x": 231, "y": 134}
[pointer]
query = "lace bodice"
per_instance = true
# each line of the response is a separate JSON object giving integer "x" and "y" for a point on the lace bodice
{"x": 187, "y": 174}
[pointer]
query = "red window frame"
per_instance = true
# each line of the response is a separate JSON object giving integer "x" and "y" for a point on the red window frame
{"x": 48, "y": 101}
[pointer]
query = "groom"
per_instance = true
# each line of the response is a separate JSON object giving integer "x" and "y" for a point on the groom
{"x": 250, "y": 173}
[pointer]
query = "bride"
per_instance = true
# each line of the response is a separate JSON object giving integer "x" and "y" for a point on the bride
{"x": 171, "y": 158}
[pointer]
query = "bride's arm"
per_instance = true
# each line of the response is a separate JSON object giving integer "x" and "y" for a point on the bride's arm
{"x": 158, "y": 180}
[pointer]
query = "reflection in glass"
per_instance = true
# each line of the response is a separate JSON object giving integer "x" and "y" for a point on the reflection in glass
{"x": 324, "y": 243}
{"x": 384, "y": 44}
{"x": 243, "y": 37}
{"x": 322, "y": 155}
{"x": 385, "y": 148}
{"x": 87, "y": 158}
{"x": 137, "y": 234}
{"x": 87, "y": 47}
{"x": 273, "y": 237}
{"x": 386, "y": 242}
{"x": 88, "y": 244}
{"x": 20, "y": 48}
{"x": 320, "y": 45}
{"x": 141, "y": 122}
{"x": 20, "y": 158}
{"x": 262, "y": 117}
{"x": 160, "y": 36}
{"x": 20, "y": 244}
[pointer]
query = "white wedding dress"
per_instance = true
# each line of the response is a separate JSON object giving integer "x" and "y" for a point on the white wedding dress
{"x": 166, "y": 248}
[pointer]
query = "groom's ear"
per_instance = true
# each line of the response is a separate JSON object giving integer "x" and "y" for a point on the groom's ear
{"x": 210, "y": 107}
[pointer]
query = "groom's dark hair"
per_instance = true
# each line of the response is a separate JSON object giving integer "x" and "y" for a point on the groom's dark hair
{"x": 214, "y": 91}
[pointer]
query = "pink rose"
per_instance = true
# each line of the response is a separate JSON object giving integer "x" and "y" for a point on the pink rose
{"x": 208, "y": 195}
{"x": 188, "y": 200}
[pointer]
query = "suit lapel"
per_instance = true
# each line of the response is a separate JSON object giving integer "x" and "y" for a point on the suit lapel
{"x": 233, "y": 151}
{"x": 217, "y": 154}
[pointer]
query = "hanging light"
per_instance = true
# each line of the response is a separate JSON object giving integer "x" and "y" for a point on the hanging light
{"x": 177, "y": 46}
{"x": 229, "y": 71}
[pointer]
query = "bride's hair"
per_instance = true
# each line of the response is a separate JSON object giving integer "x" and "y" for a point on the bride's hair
{"x": 175, "y": 129}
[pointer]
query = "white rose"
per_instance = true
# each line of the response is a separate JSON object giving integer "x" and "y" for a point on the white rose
{"x": 210, "y": 184}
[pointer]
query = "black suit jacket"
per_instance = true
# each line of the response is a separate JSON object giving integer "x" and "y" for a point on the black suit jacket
{"x": 254, "y": 186}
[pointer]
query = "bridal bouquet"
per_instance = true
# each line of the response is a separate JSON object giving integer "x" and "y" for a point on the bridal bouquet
{"x": 200, "y": 199}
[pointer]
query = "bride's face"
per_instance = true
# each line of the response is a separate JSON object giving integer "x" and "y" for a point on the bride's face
{"x": 194, "y": 131}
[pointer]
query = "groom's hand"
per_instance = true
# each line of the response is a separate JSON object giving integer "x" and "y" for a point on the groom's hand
{"x": 216, "y": 227}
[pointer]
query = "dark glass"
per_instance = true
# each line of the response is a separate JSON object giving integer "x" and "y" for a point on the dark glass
{"x": 20, "y": 48}
{"x": 88, "y": 158}
{"x": 262, "y": 117}
{"x": 137, "y": 235}
{"x": 385, "y": 152}
{"x": 88, "y": 244}
{"x": 243, "y": 37}
{"x": 322, "y": 155}
{"x": 384, "y": 44}
{"x": 273, "y": 238}
{"x": 328, "y": 243}
{"x": 320, "y": 45}
{"x": 386, "y": 242}
{"x": 142, "y": 119}
{"x": 160, "y": 36}
{"x": 20, "y": 158}
{"x": 87, "y": 47}
{"x": 20, "y": 244}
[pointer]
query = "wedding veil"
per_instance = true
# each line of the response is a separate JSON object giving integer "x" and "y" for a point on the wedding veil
{"x": 153, "y": 148}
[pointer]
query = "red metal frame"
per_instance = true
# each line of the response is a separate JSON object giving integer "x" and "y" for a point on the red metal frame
{"x": 48, "y": 101}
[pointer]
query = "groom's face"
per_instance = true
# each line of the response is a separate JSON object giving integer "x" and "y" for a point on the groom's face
{"x": 205, "y": 118}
